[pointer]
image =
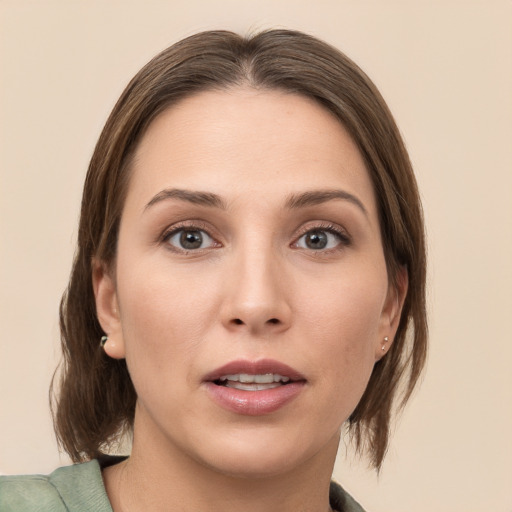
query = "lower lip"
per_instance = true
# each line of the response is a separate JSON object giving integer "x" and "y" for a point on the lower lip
{"x": 253, "y": 403}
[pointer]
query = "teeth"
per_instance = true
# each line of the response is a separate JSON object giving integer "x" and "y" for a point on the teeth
{"x": 251, "y": 387}
{"x": 266, "y": 378}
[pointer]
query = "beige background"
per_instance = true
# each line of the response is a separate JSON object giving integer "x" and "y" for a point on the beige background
{"x": 445, "y": 68}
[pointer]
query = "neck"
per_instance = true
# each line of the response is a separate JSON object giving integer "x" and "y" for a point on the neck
{"x": 161, "y": 477}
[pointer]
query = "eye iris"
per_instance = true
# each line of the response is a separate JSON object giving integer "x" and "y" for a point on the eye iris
{"x": 316, "y": 240}
{"x": 191, "y": 239}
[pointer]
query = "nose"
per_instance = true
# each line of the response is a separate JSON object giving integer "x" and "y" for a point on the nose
{"x": 257, "y": 294}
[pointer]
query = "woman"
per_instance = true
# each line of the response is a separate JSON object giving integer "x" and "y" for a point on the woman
{"x": 251, "y": 256}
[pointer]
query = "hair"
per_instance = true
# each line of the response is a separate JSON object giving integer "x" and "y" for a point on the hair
{"x": 94, "y": 403}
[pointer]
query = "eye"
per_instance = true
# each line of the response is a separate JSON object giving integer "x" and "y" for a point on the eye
{"x": 321, "y": 239}
{"x": 190, "y": 239}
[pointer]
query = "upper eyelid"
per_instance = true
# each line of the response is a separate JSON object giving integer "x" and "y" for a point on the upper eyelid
{"x": 190, "y": 225}
{"x": 325, "y": 226}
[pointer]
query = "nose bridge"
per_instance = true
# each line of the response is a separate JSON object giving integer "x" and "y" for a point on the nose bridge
{"x": 257, "y": 297}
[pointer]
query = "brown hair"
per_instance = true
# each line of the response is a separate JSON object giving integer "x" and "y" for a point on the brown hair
{"x": 96, "y": 399}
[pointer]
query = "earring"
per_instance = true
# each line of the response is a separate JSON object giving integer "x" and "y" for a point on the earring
{"x": 104, "y": 340}
{"x": 386, "y": 339}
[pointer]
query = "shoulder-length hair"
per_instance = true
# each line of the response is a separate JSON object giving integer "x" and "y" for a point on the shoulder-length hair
{"x": 95, "y": 401}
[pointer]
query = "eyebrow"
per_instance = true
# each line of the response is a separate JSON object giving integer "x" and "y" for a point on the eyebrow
{"x": 315, "y": 197}
{"x": 294, "y": 201}
{"x": 191, "y": 196}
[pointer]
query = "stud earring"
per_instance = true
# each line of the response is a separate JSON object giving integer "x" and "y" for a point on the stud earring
{"x": 386, "y": 339}
{"x": 104, "y": 340}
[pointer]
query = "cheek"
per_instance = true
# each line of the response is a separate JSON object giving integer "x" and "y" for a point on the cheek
{"x": 160, "y": 324}
{"x": 159, "y": 303}
{"x": 346, "y": 312}
{"x": 343, "y": 328}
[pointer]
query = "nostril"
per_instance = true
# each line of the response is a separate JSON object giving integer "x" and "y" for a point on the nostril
{"x": 273, "y": 321}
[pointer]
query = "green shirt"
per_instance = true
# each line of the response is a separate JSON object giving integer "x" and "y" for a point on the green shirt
{"x": 74, "y": 488}
{"x": 79, "y": 488}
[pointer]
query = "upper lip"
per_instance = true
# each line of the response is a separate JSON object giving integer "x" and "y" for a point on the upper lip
{"x": 259, "y": 367}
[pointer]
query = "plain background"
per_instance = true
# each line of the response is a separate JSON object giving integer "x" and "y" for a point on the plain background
{"x": 445, "y": 68}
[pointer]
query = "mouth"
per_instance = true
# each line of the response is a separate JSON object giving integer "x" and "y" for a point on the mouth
{"x": 254, "y": 388}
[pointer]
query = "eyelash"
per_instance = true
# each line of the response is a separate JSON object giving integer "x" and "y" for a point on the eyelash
{"x": 188, "y": 226}
{"x": 341, "y": 234}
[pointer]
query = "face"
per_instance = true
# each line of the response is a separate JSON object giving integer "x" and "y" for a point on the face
{"x": 251, "y": 297}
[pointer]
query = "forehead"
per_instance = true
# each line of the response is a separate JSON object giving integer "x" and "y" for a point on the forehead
{"x": 247, "y": 140}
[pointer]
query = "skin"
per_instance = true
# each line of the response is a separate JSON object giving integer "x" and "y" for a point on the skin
{"x": 253, "y": 290}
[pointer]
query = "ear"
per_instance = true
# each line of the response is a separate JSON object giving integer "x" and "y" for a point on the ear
{"x": 392, "y": 312}
{"x": 107, "y": 309}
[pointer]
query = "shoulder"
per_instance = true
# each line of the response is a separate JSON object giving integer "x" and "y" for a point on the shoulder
{"x": 71, "y": 488}
{"x": 341, "y": 501}
{"x": 29, "y": 493}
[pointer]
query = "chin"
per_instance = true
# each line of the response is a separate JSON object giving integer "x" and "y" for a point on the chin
{"x": 259, "y": 466}
{"x": 262, "y": 456}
